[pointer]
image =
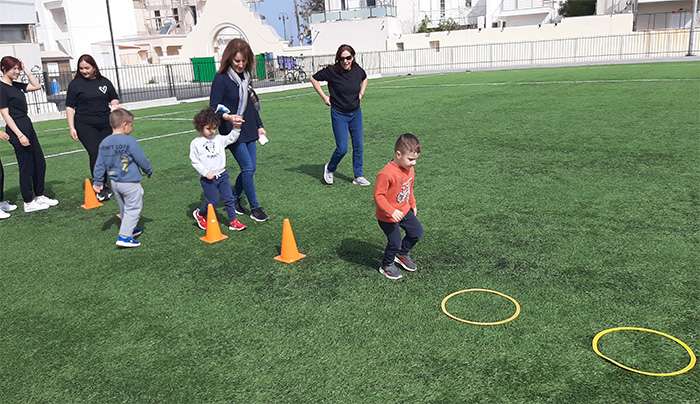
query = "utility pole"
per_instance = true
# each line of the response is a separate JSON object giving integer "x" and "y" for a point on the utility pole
{"x": 296, "y": 14}
{"x": 284, "y": 17}
{"x": 691, "y": 33}
{"x": 114, "y": 50}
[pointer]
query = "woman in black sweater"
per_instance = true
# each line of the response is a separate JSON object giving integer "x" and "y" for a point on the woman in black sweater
{"x": 231, "y": 97}
{"x": 89, "y": 101}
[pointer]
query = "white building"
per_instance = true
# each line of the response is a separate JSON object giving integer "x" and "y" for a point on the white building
{"x": 71, "y": 27}
{"x": 17, "y": 31}
{"x": 375, "y": 23}
{"x": 651, "y": 15}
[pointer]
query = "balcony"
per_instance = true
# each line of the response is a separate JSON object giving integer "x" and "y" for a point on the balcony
{"x": 511, "y": 8}
{"x": 353, "y": 14}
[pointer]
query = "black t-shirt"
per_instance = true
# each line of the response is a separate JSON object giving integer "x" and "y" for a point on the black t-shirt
{"x": 343, "y": 85}
{"x": 90, "y": 97}
{"x": 12, "y": 97}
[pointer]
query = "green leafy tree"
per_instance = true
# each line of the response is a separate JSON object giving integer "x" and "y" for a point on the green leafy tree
{"x": 577, "y": 8}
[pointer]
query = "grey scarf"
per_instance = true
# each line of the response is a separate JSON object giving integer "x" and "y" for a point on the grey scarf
{"x": 242, "y": 89}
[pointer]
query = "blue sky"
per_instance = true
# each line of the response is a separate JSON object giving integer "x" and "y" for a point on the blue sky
{"x": 271, "y": 9}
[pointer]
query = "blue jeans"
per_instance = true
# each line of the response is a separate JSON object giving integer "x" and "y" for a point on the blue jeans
{"x": 218, "y": 188}
{"x": 344, "y": 124}
{"x": 244, "y": 153}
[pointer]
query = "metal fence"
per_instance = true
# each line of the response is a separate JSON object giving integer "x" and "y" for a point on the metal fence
{"x": 181, "y": 81}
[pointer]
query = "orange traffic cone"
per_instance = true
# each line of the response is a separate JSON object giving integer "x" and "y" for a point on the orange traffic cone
{"x": 90, "y": 200}
{"x": 213, "y": 234}
{"x": 290, "y": 253}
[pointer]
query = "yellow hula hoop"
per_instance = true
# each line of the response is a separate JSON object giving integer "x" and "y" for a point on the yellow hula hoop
{"x": 691, "y": 354}
{"x": 515, "y": 315}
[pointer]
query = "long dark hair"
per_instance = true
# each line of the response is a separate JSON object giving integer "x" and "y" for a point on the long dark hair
{"x": 89, "y": 60}
{"x": 8, "y": 63}
{"x": 235, "y": 46}
{"x": 342, "y": 48}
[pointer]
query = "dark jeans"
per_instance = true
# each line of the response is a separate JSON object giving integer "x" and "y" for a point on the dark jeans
{"x": 347, "y": 124}
{"x": 395, "y": 245}
{"x": 31, "y": 161}
{"x": 218, "y": 188}
{"x": 244, "y": 153}
{"x": 91, "y": 132}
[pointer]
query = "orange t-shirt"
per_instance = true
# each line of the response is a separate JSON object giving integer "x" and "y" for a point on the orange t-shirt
{"x": 394, "y": 190}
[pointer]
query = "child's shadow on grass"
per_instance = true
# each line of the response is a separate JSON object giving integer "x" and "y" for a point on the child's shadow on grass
{"x": 360, "y": 252}
{"x": 115, "y": 221}
{"x": 316, "y": 171}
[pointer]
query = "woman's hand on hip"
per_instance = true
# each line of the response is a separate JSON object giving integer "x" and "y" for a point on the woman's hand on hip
{"x": 74, "y": 134}
{"x": 23, "y": 140}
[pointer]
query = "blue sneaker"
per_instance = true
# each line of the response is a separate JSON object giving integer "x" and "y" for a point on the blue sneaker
{"x": 127, "y": 242}
{"x": 137, "y": 232}
{"x": 390, "y": 272}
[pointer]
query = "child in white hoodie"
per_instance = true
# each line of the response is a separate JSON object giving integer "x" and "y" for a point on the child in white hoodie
{"x": 208, "y": 156}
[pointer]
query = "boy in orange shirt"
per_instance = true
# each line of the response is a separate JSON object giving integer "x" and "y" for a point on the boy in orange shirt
{"x": 396, "y": 206}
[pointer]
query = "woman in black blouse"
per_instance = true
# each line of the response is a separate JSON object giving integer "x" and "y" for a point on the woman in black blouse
{"x": 30, "y": 157}
{"x": 89, "y": 101}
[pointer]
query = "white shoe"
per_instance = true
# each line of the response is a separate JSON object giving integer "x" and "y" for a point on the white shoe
{"x": 33, "y": 206}
{"x": 7, "y": 206}
{"x": 327, "y": 175}
{"x": 46, "y": 200}
{"x": 3, "y": 214}
{"x": 361, "y": 181}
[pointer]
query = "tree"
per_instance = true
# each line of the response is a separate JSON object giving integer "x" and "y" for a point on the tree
{"x": 306, "y": 8}
{"x": 577, "y": 8}
{"x": 423, "y": 27}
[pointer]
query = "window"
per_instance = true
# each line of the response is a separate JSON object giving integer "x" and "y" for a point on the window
{"x": 14, "y": 34}
{"x": 158, "y": 21}
{"x": 371, "y": 3}
{"x": 442, "y": 8}
{"x": 399, "y": 46}
{"x": 467, "y": 3}
{"x": 343, "y": 6}
{"x": 435, "y": 45}
{"x": 193, "y": 10}
{"x": 176, "y": 16}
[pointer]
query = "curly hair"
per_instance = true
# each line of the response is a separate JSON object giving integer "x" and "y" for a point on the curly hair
{"x": 205, "y": 117}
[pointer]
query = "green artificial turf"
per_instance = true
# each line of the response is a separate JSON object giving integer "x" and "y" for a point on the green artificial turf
{"x": 573, "y": 190}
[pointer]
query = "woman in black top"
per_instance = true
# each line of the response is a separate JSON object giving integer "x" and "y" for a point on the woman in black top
{"x": 232, "y": 99}
{"x": 88, "y": 103}
{"x": 347, "y": 82}
{"x": 30, "y": 157}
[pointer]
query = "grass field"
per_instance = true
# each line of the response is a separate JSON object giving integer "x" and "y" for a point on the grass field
{"x": 574, "y": 190}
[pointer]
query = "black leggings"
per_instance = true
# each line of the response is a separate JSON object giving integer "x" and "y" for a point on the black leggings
{"x": 91, "y": 132}
{"x": 30, "y": 159}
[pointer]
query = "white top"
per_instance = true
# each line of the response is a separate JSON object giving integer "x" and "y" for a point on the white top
{"x": 209, "y": 155}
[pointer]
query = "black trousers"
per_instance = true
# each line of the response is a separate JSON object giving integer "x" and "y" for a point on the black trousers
{"x": 92, "y": 130}
{"x": 2, "y": 183}
{"x": 30, "y": 159}
{"x": 395, "y": 245}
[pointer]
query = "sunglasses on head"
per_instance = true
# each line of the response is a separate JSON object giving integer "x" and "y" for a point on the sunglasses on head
{"x": 346, "y": 57}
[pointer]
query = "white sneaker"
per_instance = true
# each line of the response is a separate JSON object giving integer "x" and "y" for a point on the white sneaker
{"x": 327, "y": 175}
{"x": 46, "y": 200}
{"x": 33, "y": 206}
{"x": 3, "y": 214}
{"x": 361, "y": 181}
{"x": 7, "y": 206}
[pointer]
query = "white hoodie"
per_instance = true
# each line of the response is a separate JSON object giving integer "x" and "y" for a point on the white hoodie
{"x": 209, "y": 155}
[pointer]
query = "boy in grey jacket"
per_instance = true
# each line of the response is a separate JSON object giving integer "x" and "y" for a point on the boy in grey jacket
{"x": 121, "y": 157}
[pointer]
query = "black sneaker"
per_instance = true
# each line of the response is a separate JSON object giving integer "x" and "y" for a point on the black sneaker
{"x": 104, "y": 195}
{"x": 240, "y": 209}
{"x": 390, "y": 272}
{"x": 258, "y": 215}
{"x": 406, "y": 262}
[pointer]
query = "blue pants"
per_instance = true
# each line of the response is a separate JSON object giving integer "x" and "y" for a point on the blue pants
{"x": 219, "y": 187}
{"x": 344, "y": 124}
{"x": 395, "y": 245}
{"x": 244, "y": 153}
